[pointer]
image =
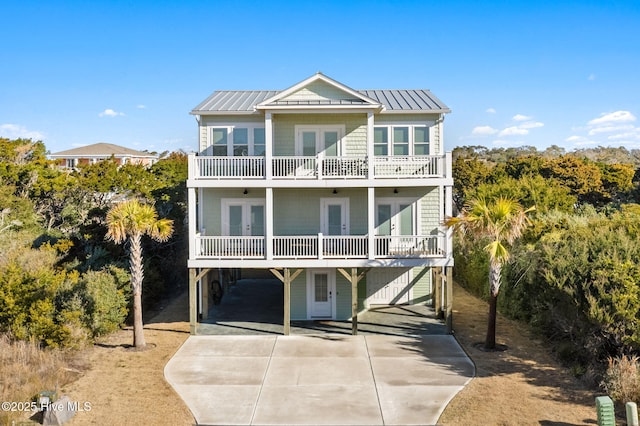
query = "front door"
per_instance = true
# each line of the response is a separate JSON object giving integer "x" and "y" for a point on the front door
{"x": 321, "y": 294}
{"x": 334, "y": 216}
{"x": 395, "y": 218}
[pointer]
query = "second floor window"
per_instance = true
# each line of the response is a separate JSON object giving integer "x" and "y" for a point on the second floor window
{"x": 237, "y": 141}
{"x": 401, "y": 140}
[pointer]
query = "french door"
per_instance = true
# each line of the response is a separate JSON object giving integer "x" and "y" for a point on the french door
{"x": 396, "y": 218}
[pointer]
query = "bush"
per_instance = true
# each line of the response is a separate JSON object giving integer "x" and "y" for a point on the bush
{"x": 622, "y": 379}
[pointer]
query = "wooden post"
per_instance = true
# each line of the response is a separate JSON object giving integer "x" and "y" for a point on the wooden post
{"x": 353, "y": 278}
{"x": 193, "y": 302}
{"x": 438, "y": 291}
{"x": 286, "y": 280}
{"x": 448, "y": 316}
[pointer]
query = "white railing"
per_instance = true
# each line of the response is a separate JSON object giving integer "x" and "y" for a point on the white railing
{"x": 410, "y": 246}
{"x": 321, "y": 247}
{"x": 230, "y": 247}
{"x": 409, "y": 166}
{"x": 294, "y": 167}
{"x": 318, "y": 167}
{"x": 229, "y": 167}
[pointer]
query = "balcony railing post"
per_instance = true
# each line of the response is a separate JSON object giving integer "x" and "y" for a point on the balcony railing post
{"x": 320, "y": 246}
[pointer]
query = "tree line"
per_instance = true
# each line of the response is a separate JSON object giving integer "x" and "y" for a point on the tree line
{"x": 62, "y": 281}
{"x": 574, "y": 274}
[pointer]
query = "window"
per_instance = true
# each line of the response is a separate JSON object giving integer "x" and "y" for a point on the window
{"x": 421, "y": 140}
{"x": 381, "y": 141}
{"x": 237, "y": 141}
{"x": 219, "y": 142}
{"x": 401, "y": 140}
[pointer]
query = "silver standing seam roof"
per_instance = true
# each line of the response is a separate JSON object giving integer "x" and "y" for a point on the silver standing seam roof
{"x": 245, "y": 101}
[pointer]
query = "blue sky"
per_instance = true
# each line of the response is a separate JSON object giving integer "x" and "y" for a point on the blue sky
{"x": 128, "y": 72}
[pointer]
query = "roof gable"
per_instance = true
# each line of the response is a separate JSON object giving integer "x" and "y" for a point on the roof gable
{"x": 318, "y": 90}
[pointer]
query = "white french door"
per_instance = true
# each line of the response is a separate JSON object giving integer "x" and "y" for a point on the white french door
{"x": 243, "y": 217}
{"x": 323, "y": 140}
{"x": 395, "y": 217}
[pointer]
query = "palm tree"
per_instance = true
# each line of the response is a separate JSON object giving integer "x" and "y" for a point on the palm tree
{"x": 500, "y": 222}
{"x": 131, "y": 220}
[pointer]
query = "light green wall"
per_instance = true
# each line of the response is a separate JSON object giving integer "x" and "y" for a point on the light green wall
{"x": 421, "y": 283}
{"x": 299, "y": 297}
{"x": 355, "y": 138}
{"x": 212, "y": 205}
{"x": 343, "y": 297}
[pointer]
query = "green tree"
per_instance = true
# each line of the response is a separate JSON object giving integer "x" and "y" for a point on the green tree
{"x": 131, "y": 220}
{"x": 500, "y": 222}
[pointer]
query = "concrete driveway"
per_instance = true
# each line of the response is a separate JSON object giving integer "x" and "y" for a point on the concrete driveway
{"x": 322, "y": 379}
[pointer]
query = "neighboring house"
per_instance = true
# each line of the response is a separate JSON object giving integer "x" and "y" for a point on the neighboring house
{"x": 341, "y": 193}
{"x": 91, "y": 154}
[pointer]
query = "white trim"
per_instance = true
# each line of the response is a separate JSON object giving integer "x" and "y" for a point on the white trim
{"x": 324, "y": 204}
{"x": 395, "y": 210}
{"x": 318, "y": 76}
{"x": 230, "y": 129}
{"x": 411, "y": 142}
{"x": 320, "y": 129}
{"x": 331, "y": 281}
{"x": 225, "y": 203}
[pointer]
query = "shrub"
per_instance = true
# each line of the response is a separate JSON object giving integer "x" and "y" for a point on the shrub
{"x": 622, "y": 379}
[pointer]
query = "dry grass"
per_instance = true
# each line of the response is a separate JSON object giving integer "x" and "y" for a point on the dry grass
{"x": 28, "y": 369}
{"x": 622, "y": 379}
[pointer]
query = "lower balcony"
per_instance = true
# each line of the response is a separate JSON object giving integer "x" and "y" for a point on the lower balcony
{"x": 321, "y": 247}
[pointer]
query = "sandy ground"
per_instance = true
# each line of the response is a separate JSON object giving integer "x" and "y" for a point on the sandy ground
{"x": 522, "y": 386}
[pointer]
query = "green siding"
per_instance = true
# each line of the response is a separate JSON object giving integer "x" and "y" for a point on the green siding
{"x": 421, "y": 283}
{"x": 355, "y": 138}
{"x": 319, "y": 91}
{"x": 212, "y": 205}
{"x": 299, "y": 297}
{"x": 430, "y": 207}
{"x": 343, "y": 297}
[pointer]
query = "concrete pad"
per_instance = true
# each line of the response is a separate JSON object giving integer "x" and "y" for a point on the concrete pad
{"x": 414, "y": 405}
{"x": 326, "y": 345}
{"x": 415, "y": 371}
{"x": 318, "y": 405}
{"x": 409, "y": 346}
{"x": 319, "y": 371}
{"x": 220, "y": 405}
{"x": 198, "y": 370}
{"x": 237, "y": 346}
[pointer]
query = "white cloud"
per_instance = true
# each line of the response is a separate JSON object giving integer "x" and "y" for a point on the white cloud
{"x": 520, "y": 117}
{"x": 613, "y": 117}
{"x": 483, "y": 131}
{"x": 513, "y": 131}
{"x": 110, "y": 113}
{"x": 140, "y": 106}
{"x": 609, "y": 129}
{"x": 574, "y": 138}
{"x": 16, "y": 131}
{"x": 491, "y": 110}
{"x": 531, "y": 125}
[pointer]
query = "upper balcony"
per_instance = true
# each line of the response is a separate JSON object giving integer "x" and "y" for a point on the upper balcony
{"x": 203, "y": 168}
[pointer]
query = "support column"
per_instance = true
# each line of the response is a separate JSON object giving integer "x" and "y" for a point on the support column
{"x": 268, "y": 207}
{"x": 268, "y": 146}
{"x": 193, "y": 302}
{"x": 353, "y": 278}
{"x": 371, "y": 222}
{"x": 370, "y": 140}
{"x": 437, "y": 290}
{"x": 191, "y": 203}
{"x": 286, "y": 279}
{"x": 448, "y": 316}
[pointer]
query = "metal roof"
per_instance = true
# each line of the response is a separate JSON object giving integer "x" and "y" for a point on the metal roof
{"x": 102, "y": 149}
{"x": 245, "y": 101}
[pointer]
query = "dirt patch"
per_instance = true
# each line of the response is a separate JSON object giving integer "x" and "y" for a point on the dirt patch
{"x": 523, "y": 385}
{"x": 124, "y": 386}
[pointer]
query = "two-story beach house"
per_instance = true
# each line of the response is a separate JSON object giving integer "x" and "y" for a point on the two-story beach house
{"x": 340, "y": 193}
